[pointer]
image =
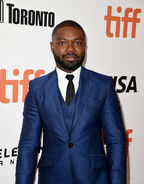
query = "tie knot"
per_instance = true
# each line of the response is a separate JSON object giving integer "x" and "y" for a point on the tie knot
{"x": 70, "y": 77}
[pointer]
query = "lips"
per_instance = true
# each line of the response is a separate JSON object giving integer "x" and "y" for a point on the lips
{"x": 70, "y": 57}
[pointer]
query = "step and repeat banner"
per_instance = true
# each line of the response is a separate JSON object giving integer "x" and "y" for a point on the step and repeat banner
{"x": 115, "y": 39}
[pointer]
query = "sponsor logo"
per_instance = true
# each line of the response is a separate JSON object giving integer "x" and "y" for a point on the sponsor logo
{"x": 8, "y": 156}
{"x": 1, "y": 11}
{"x": 130, "y": 17}
{"x": 23, "y": 16}
{"x": 125, "y": 84}
{"x": 16, "y": 83}
{"x": 128, "y": 140}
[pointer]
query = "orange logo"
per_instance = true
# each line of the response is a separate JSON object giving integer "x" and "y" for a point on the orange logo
{"x": 4, "y": 83}
{"x": 128, "y": 139}
{"x": 126, "y": 19}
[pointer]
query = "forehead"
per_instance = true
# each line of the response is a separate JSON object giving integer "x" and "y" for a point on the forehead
{"x": 69, "y": 33}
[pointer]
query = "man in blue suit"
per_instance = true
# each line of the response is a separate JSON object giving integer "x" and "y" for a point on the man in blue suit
{"x": 72, "y": 106}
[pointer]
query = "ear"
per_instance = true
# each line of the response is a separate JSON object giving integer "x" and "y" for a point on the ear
{"x": 52, "y": 46}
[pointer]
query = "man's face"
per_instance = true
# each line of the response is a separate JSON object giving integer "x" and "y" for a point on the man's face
{"x": 68, "y": 47}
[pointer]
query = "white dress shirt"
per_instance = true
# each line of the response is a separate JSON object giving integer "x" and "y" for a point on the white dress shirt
{"x": 63, "y": 82}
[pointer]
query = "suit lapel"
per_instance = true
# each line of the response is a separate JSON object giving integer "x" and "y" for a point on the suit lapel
{"x": 85, "y": 88}
{"x": 51, "y": 91}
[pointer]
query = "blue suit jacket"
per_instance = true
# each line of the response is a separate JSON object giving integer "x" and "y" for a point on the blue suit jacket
{"x": 78, "y": 157}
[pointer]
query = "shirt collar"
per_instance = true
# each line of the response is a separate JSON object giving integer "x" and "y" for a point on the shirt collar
{"x": 62, "y": 74}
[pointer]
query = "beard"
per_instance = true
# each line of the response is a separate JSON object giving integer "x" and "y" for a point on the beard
{"x": 69, "y": 65}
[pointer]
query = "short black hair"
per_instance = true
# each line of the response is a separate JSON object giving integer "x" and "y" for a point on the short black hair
{"x": 66, "y": 23}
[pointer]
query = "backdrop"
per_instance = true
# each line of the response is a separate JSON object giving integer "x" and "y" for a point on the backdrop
{"x": 114, "y": 31}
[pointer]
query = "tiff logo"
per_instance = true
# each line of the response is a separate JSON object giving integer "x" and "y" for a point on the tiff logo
{"x": 1, "y": 11}
{"x": 109, "y": 18}
{"x": 16, "y": 83}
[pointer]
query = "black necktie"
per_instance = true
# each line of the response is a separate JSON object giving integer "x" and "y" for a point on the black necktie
{"x": 70, "y": 89}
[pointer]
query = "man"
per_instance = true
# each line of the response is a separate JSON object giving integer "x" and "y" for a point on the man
{"x": 72, "y": 105}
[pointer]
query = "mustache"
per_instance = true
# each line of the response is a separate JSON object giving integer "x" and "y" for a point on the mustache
{"x": 70, "y": 55}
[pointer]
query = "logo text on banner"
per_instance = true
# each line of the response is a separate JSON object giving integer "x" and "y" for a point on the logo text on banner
{"x": 126, "y": 19}
{"x": 22, "y": 16}
{"x": 8, "y": 156}
{"x": 1, "y": 11}
{"x": 14, "y": 83}
{"x": 125, "y": 84}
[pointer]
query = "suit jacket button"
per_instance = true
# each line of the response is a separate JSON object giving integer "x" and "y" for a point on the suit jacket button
{"x": 70, "y": 144}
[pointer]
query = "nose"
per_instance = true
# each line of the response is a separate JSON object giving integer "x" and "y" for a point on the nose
{"x": 70, "y": 48}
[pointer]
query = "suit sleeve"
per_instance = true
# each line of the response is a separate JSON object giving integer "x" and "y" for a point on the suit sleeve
{"x": 114, "y": 137}
{"x": 29, "y": 143}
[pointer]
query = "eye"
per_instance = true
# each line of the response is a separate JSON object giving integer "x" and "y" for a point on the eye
{"x": 78, "y": 43}
{"x": 62, "y": 43}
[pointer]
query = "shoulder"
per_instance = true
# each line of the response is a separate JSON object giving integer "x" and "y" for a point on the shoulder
{"x": 98, "y": 78}
{"x": 100, "y": 83}
{"x": 40, "y": 82}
